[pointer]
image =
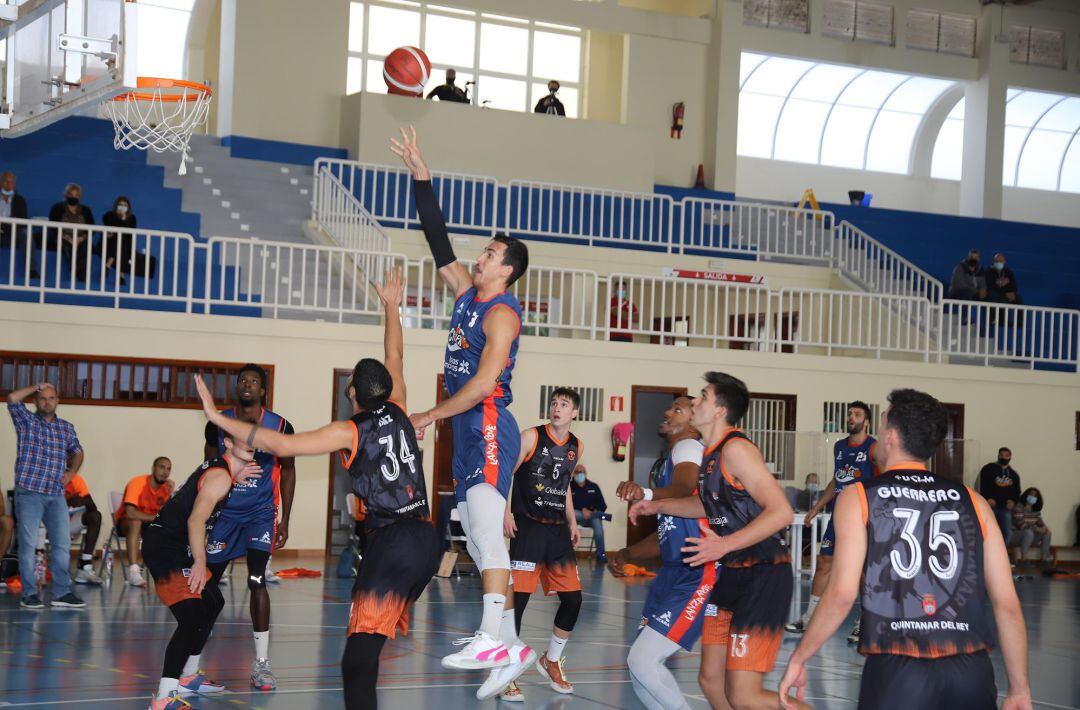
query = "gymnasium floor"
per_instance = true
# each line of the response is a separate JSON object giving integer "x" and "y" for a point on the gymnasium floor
{"x": 109, "y": 655}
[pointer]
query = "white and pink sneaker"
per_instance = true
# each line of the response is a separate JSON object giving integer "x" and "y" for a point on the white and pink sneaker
{"x": 480, "y": 652}
{"x": 521, "y": 657}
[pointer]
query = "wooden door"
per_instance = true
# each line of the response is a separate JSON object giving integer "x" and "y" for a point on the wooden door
{"x": 442, "y": 478}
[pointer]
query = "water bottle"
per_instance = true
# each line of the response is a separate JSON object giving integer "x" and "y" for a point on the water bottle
{"x": 108, "y": 565}
{"x": 39, "y": 569}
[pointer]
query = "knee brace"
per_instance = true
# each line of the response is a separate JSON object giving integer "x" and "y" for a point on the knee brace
{"x": 569, "y": 608}
{"x": 486, "y": 508}
{"x": 256, "y": 563}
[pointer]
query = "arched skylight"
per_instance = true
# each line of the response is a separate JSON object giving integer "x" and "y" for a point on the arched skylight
{"x": 829, "y": 114}
{"x": 163, "y": 29}
{"x": 948, "y": 157}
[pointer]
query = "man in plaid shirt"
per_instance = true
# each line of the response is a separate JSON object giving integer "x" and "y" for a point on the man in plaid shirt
{"x": 49, "y": 455}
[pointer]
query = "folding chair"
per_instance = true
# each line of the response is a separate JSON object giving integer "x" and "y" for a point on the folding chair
{"x": 116, "y": 542}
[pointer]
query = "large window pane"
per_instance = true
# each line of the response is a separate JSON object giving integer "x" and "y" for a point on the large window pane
{"x": 450, "y": 40}
{"x": 776, "y": 76}
{"x": 1027, "y": 106}
{"x": 390, "y": 28}
{"x": 504, "y": 49}
{"x": 948, "y": 159}
{"x": 1065, "y": 116}
{"x": 871, "y": 89}
{"x": 375, "y": 81}
{"x": 798, "y": 134}
{"x": 502, "y": 93}
{"x": 1040, "y": 159}
{"x": 757, "y": 121}
{"x": 356, "y": 27}
{"x": 567, "y": 94}
{"x": 354, "y": 75}
{"x": 889, "y": 149}
{"x": 748, "y": 63}
{"x": 1014, "y": 138}
{"x": 556, "y": 56}
{"x": 1070, "y": 171}
{"x": 825, "y": 82}
{"x": 844, "y": 143}
{"x": 917, "y": 94}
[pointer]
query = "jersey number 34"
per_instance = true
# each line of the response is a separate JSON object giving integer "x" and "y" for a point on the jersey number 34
{"x": 404, "y": 456}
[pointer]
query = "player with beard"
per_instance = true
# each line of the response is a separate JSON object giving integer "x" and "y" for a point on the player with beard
{"x": 675, "y": 608}
{"x": 854, "y": 459}
{"x": 249, "y": 524}
{"x": 931, "y": 557}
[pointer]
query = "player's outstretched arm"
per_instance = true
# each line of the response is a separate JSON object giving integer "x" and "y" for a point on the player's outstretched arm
{"x": 1012, "y": 634}
{"x": 392, "y": 292}
{"x": 431, "y": 217}
{"x": 686, "y": 507}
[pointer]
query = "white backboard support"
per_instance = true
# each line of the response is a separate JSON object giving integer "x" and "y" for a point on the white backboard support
{"x": 59, "y": 55}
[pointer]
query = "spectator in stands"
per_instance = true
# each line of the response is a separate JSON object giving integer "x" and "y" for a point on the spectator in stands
{"x": 448, "y": 91}
{"x": 118, "y": 248}
{"x": 1000, "y": 485}
{"x": 623, "y": 314}
{"x": 1028, "y": 525}
{"x": 550, "y": 104}
{"x": 968, "y": 281}
{"x": 809, "y": 495}
{"x": 77, "y": 494}
{"x": 589, "y": 506}
{"x": 13, "y": 205}
{"x": 1001, "y": 282}
{"x": 143, "y": 498}
{"x": 49, "y": 455}
{"x": 74, "y": 244}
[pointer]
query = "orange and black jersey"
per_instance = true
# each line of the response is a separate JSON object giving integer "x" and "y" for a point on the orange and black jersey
{"x": 541, "y": 481}
{"x": 729, "y": 508}
{"x": 386, "y": 466}
{"x": 924, "y": 594}
{"x": 172, "y": 519}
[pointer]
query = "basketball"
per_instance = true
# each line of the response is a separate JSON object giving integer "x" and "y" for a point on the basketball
{"x": 406, "y": 71}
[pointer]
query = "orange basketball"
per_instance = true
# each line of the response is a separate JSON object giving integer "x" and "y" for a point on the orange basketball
{"x": 406, "y": 71}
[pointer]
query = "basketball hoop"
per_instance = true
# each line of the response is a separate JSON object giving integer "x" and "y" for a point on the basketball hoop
{"x": 159, "y": 115}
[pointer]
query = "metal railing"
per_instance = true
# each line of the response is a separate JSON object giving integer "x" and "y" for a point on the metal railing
{"x": 1002, "y": 334}
{"x": 342, "y": 216}
{"x": 753, "y": 228}
{"x": 876, "y": 268}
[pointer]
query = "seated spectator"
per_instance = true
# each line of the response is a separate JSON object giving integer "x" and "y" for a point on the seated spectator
{"x": 550, "y": 104}
{"x": 448, "y": 91}
{"x": 7, "y": 532}
{"x": 810, "y": 494}
{"x": 623, "y": 314}
{"x": 143, "y": 498}
{"x": 999, "y": 484}
{"x": 1001, "y": 282}
{"x": 73, "y": 243}
{"x": 117, "y": 250}
{"x": 588, "y": 506}
{"x": 13, "y": 205}
{"x": 1028, "y": 525}
{"x": 77, "y": 494}
{"x": 968, "y": 281}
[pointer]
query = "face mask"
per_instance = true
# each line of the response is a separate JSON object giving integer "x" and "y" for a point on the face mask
{"x": 72, "y": 201}
{"x": 121, "y": 209}
{"x": 999, "y": 265}
{"x": 812, "y": 487}
{"x": 580, "y": 478}
{"x": 7, "y": 193}
{"x": 972, "y": 261}
{"x": 553, "y": 89}
{"x": 1032, "y": 500}
{"x": 1004, "y": 462}
{"x": 621, "y": 293}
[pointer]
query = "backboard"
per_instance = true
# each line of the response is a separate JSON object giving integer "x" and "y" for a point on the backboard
{"x": 59, "y": 55}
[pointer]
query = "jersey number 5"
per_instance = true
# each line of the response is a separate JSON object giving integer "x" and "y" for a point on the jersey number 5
{"x": 404, "y": 456}
{"x": 937, "y": 540}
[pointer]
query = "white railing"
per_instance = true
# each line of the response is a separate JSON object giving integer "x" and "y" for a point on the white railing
{"x": 1006, "y": 334}
{"x": 873, "y": 266}
{"x": 111, "y": 263}
{"x": 592, "y": 215}
{"x": 468, "y": 202}
{"x": 828, "y": 320}
{"x": 287, "y": 280}
{"x": 686, "y": 312}
{"x": 753, "y": 228}
{"x": 342, "y": 216}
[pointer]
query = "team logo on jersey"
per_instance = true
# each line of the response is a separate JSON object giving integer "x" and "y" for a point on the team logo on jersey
{"x": 571, "y": 454}
{"x": 847, "y": 474}
{"x": 472, "y": 319}
{"x": 409, "y": 491}
{"x": 522, "y": 566}
{"x": 544, "y": 452}
{"x": 456, "y": 340}
{"x": 929, "y": 604}
{"x": 539, "y": 487}
{"x": 664, "y": 618}
{"x": 265, "y": 537}
{"x": 214, "y": 548}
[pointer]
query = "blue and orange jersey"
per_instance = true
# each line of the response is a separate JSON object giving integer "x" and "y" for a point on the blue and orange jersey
{"x": 466, "y": 339}
{"x": 672, "y": 530}
{"x": 264, "y": 491}
{"x": 853, "y": 463}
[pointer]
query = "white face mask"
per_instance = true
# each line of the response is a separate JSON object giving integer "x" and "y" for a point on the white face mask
{"x": 580, "y": 478}
{"x": 121, "y": 209}
{"x": 1032, "y": 500}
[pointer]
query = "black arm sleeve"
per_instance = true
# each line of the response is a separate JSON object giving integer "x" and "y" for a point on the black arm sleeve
{"x": 210, "y": 434}
{"x": 433, "y": 223}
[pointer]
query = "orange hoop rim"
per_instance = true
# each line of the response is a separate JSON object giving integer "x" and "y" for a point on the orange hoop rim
{"x": 153, "y": 82}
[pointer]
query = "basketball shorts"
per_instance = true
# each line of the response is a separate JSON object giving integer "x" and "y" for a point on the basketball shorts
{"x": 486, "y": 445}
{"x": 676, "y": 603}
{"x": 169, "y": 563}
{"x": 891, "y": 682}
{"x": 828, "y": 541}
{"x": 399, "y": 561}
{"x": 542, "y": 552}
{"x": 233, "y": 535}
{"x": 746, "y": 613}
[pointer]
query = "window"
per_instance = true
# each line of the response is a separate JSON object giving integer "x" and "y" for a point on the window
{"x": 591, "y": 408}
{"x": 123, "y": 381}
{"x": 510, "y": 59}
{"x": 1040, "y": 141}
{"x": 828, "y": 114}
{"x": 835, "y": 417}
{"x": 948, "y": 156}
{"x": 163, "y": 29}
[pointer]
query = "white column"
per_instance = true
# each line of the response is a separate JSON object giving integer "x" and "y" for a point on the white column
{"x": 226, "y": 69}
{"x": 984, "y": 124}
{"x": 722, "y": 94}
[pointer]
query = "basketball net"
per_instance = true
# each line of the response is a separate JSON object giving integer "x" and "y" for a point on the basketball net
{"x": 160, "y": 115}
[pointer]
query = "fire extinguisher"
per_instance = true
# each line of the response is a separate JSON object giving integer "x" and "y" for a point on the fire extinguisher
{"x": 677, "y": 112}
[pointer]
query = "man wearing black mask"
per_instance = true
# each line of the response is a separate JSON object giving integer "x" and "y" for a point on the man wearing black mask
{"x": 1000, "y": 485}
{"x": 968, "y": 281}
{"x": 550, "y": 104}
{"x": 448, "y": 91}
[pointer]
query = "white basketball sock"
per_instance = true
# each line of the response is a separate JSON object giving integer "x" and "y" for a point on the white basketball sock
{"x": 491, "y": 622}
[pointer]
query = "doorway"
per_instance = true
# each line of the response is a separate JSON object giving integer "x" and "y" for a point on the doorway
{"x": 948, "y": 461}
{"x": 339, "y": 520}
{"x": 647, "y": 406}
{"x": 442, "y": 478}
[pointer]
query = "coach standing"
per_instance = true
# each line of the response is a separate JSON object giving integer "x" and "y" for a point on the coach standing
{"x": 49, "y": 454}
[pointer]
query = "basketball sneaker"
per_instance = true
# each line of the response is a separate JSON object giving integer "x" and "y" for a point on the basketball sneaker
{"x": 86, "y": 575}
{"x": 481, "y": 651}
{"x": 271, "y": 576}
{"x": 853, "y": 637}
{"x": 795, "y": 627}
{"x": 262, "y": 678}
{"x": 521, "y": 657}
{"x": 135, "y": 577}
{"x": 198, "y": 684}
{"x": 32, "y": 602}
{"x": 513, "y": 694}
{"x": 69, "y": 601}
{"x": 553, "y": 673}
{"x": 172, "y": 701}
